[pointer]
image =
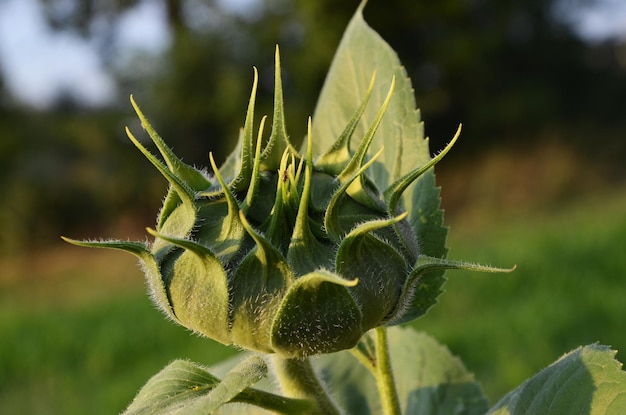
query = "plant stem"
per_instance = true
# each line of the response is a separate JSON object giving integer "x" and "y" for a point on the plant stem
{"x": 298, "y": 380}
{"x": 384, "y": 376}
{"x": 364, "y": 360}
{"x": 275, "y": 403}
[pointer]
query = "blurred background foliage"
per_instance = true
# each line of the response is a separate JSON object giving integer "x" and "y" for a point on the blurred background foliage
{"x": 515, "y": 73}
{"x": 538, "y": 170}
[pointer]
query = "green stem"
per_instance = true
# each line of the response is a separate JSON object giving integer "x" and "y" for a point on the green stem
{"x": 298, "y": 380}
{"x": 364, "y": 359}
{"x": 384, "y": 376}
{"x": 275, "y": 403}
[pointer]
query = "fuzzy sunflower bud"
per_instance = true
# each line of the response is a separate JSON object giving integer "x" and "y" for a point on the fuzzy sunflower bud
{"x": 280, "y": 253}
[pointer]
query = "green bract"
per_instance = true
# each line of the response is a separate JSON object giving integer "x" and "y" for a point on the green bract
{"x": 282, "y": 253}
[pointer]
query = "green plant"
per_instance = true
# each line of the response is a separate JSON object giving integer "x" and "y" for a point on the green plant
{"x": 324, "y": 253}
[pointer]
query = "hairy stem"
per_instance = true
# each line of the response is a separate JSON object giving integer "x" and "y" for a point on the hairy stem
{"x": 364, "y": 359}
{"x": 384, "y": 375}
{"x": 275, "y": 403}
{"x": 298, "y": 380}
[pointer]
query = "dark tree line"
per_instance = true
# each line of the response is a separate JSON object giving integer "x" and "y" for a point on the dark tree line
{"x": 512, "y": 71}
{"x": 507, "y": 69}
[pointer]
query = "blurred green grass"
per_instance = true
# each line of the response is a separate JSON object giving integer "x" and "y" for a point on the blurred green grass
{"x": 79, "y": 334}
{"x": 569, "y": 289}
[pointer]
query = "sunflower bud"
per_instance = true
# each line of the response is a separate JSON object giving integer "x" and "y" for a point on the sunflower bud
{"x": 280, "y": 253}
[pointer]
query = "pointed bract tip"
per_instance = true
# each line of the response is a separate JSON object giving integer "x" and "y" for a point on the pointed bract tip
{"x": 361, "y": 6}
{"x": 352, "y": 283}
{"x": 136, "y": 106}
{"x": 69, "y": 240}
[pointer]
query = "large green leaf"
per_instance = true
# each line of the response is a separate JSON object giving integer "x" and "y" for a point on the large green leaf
{"x": 587, "y": 380}
{"x": 185, "y": 387}
{"x": 361, "y": 54}
{"x": 430, "y": 380}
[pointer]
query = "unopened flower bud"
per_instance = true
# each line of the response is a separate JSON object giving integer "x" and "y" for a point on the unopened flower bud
{"x": 280, "y": 253}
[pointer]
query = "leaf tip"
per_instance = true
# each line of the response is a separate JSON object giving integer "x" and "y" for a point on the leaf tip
{"x": 361, "y": 6}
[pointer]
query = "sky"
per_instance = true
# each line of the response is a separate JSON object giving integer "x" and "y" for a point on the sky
{"x": 607, "y": 19}
{"x": 38, "y": 63}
